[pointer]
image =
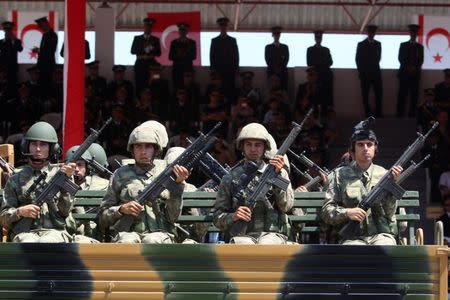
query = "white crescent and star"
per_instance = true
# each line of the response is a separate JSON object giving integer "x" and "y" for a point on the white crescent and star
{"x": 437, "y": 31}
{"x": 166, "y": 33}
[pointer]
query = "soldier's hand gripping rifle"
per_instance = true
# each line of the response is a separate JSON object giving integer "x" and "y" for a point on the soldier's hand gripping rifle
{"x": 99, "y": 169}
{"x": 6, "y": 167}
{"x": 268, "y": 179}
{"x": 58, "y": 182}
{"x": 387, "y": 185}
{"x": 166, "y": 179}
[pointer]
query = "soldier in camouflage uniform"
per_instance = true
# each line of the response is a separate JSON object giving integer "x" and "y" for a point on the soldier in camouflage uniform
{"x": 349, "y": 184}
{"x": 40, "y": 144}
{"x": 154, "y": 223}
{"x": 267, "y": 225}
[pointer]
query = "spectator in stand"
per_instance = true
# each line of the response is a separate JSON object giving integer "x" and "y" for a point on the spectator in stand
{"x": 280, "y": 128}
{"x": 146, "y": 47}
{"x": 182, "y": 114}
{"x": 444, "y": 128}
{"x": 193, "y": 89}
{"x": 445, "y": 218}
{"x": 277, "y": 58}
{"x": 36, "y": 88}
{"x": 183, "y": 52}
{"x": 319, "y": 57}
{"x": 410, "y": 57}
{"x": 97, "y": 82}
{"x": 23, "y": 107}
{"x": 144, "y": 109}
{"x": 272, "y": 113}
{"x": 180, "y": 139}
{"x": 216, "y": 84}
{"x": 444, "y": 183}
{"x": 276, "y": 91}
{"x": 224, "y": 57}
{"x": 426, "y": 110}
{"x": 215, "y": 112}
{"x": 241, "y": 114}
{"x": 313, "y": 91}
{"x": 115, "y": 136}
{"x": 10, "y": 45}
{"x": 330, "y": 130}
{"x": 160, "y": 91}
{"x": 222, "y": 152}
{"x": 57, "y": 93}
{"x": 118, "y": 82}
{"x": 442, "y": 90}
{"x": 368, "y": 56}
{"x": 46, "y": 52}
{"x": 247, "y": 89}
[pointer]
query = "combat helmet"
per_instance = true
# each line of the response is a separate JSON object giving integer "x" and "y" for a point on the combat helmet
{"x": 146, "y": 134}
{"x": 44, "y": 132}
{"x": 98, "y": 153}
{"x": 363, "y": 131}
{"x": 172, "y": 154}
{"x": 160, "y": 131}
{"x": 69, "y": 154}
{"x": 253, "y": 131}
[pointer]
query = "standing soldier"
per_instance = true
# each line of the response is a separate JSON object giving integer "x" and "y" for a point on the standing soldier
{"x": 40, "y": 144}
{"x": 183, "y": 51}
{"x": 277, "y": 58}
{"x": 46, "y": 52}
{"x": 267, "y": 224}
{"x": 319, "y": 57}
{"x": 153, "y": 222}
{"x": 368, "y": 56}
{"x": 146, "y": 47}
{"x": 9, "y": 47}
{"x": 410, "y": 57}
{"x": 349, "y": 184}
{"x": 224, "y": 57}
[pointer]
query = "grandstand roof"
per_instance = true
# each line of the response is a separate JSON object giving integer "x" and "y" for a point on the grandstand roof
{"x": 261, "y": 15}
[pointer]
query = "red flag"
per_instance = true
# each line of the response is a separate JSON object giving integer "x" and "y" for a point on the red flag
{"x": 434, "y": 35}
{"x": 166, "y": 30}
{"x": 73, "y": 117}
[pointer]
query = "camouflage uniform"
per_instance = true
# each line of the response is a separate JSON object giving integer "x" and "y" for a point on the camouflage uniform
{"x": 156, "y": 223}
{"x": 49, "y": 226}
{"x": 345, "y": 190}
{"x": 94, "y": 183}
{"x": 269, "y": 225}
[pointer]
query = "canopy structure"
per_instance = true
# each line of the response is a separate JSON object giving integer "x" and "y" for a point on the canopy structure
{"x": 259, "y": 15}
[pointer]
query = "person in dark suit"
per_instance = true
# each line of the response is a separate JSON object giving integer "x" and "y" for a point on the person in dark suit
{"x": 368, "y": 56}
{"x": 319, "y": 57}
{"x": 87, "y": 50}
{"x": 146, "y": 47}
{"x": 183, "y": 51}
{"x": 224, "y": 57}
{"x": 46, "y": 59}
{"x": 9, "y": 47}
{"x": 277, "y": 57}
{"x": 410, "y": 57}
{"x": 97, "y": 82}
{"x": 445, "y": 218}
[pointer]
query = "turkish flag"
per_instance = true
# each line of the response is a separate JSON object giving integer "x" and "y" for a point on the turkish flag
{"x": 434, "y": 35}
{"x": 166, "y": 30}
{"x": 27, "y": 30}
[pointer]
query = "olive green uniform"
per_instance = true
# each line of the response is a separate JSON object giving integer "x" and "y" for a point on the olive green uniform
{"x": 156, "y": 223}
{"x": 50, "y": 225}
{"x": 269, "y": 224}
{"x": 347, "y": 186}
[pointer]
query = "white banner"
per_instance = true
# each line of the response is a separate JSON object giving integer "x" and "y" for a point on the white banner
{"x": 434, "y": 35}
{"x": 29, "y": 33}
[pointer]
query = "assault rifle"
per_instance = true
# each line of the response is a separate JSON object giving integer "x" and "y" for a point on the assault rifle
{"x": 387, "y": 185}
{"x": 59, "y": 181}
{"x": 166, "y": 179}
{"x": 213, "y": 169}
{"x": 99, "y": 169}
{"x": 312, "y": 181}
{"x": 308, "y": 163}
{"x": 268, "y": 179}
{"x": 5, "y": 166}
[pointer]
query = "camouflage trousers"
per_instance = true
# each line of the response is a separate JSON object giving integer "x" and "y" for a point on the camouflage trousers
{"x": 267, "y": 238}
{"x": 159, "y": 237}
{"x": 377, "y": 239}
{"x": 43, "y": 236}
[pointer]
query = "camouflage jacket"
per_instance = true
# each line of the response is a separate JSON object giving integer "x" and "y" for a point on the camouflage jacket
{"x": 14, "y": 197}
{"x": 125, "y": 185}
{"x": 345, "y": 189}
{"x": 94, "y": 183}
{"x": 264, "y": 217}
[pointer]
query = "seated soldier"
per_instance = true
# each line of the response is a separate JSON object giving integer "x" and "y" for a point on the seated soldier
{"x": 349, "y": 184}
{"x": 153, "y": 222}
{"x": 40, "y": 144}
{"x": 266, "y": 224}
